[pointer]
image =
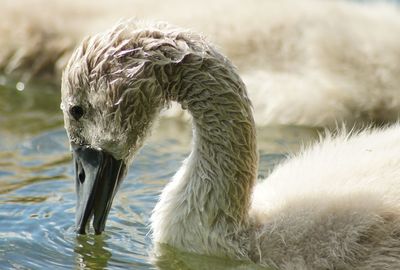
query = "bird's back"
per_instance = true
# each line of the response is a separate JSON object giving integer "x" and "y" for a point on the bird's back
{"x": 334, "y": 206}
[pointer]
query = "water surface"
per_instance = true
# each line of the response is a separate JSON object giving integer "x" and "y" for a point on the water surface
{"x": 37, "y": 199}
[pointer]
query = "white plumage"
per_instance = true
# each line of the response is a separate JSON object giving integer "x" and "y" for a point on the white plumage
{"x": 336, "y": 201}
{"x": 318, "y": 62}
{"x": 334, "y": 206}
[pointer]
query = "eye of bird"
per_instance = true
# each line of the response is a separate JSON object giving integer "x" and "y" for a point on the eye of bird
{"x": 76, "y": 112}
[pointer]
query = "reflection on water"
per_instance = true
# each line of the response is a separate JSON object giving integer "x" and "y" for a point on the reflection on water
{"x": 91, "y": 252}
{"x": 37, "y": 197}
{"x": 168, "y": 258}
{"x": 27, "y": 112}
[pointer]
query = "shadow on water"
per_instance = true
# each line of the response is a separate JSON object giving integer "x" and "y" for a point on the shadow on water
{"x": 169, "y": 258}
{"x": 92, "y": 252}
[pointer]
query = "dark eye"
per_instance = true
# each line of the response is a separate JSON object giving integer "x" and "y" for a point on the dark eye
{"x": 76, "y": 112}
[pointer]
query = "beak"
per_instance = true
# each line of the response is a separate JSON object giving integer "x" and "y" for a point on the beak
{"x": 98, "y": 177}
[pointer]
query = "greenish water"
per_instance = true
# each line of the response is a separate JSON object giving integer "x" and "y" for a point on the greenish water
{"x": 37, "y": 198}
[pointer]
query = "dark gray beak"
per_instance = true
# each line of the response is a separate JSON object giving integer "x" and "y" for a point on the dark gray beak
{"x": 98, "y": 177}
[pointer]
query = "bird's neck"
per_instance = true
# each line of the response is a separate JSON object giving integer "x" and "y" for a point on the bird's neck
{"x": 205, "y": 207}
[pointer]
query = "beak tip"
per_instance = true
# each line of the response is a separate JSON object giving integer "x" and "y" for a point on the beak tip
{"x": 98, "y": 176}
{"x": 81, "y": 230}
{"x": 98, "y": 232}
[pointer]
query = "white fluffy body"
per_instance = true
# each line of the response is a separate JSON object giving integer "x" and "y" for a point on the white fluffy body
{"x": 305, "y": 62}
{"x": 335, "y": 205}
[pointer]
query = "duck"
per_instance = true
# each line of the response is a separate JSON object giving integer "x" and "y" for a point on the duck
{"x": 333, "y": 205}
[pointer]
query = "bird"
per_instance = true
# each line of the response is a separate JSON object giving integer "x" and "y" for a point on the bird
{"x": 333, "y": 205}
{"x": 343, "y": 54}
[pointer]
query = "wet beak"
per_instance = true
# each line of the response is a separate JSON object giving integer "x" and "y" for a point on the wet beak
{"x": 98, "y": 177}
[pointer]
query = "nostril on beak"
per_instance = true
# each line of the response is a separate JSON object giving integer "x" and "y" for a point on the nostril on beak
{"x": 80, "y": 172}
{"x": 81, "y": 176}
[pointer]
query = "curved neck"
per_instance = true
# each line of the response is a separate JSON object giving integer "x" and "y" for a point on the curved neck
{"x": 208, "y": 199}
{"x": 223, "y": 160}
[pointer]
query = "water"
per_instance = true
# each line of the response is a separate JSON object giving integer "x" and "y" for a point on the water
{"x": 37, "y": 199}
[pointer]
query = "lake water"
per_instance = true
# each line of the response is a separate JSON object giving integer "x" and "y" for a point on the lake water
{"x": 37, "y": 199}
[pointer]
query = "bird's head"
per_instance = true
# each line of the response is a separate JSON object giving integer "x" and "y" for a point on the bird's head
{"x": 111, "y": 94}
